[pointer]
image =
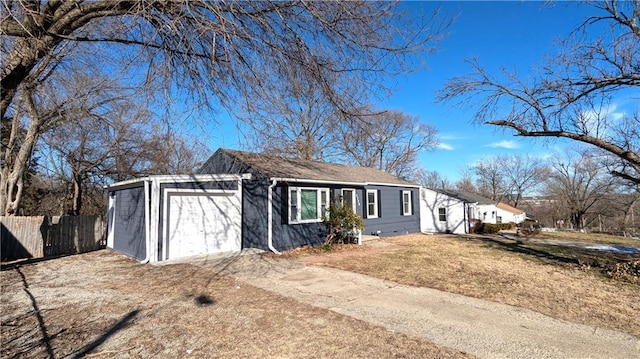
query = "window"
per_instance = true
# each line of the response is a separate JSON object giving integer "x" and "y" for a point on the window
{"x": 293, "y": 205}
{"x": 442, "y": 214}
{"x": 372, "y": 203}
{"x": 406, "y": 203}
{"x": 349, "y": 199}
{"x": 324, "y": 201}
{"x": 498, "y": 219}
{"x": 307, "y": 204}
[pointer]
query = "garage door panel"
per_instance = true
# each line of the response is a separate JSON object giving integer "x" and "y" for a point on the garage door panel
{"x": 203, "y": 224}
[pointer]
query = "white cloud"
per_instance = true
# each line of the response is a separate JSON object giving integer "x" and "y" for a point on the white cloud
{"x": 451, "y": 137}
{"x": 444, "y": 146}
{"x": 509, "y": 144}
{"x": 617, "y": 115}
{"x": 599, "y": 122}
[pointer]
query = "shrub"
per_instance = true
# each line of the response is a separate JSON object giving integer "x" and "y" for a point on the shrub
{"x": 529, "y": 228}
{"x": 490, "y": 228}
{"x": 342, "y": 224}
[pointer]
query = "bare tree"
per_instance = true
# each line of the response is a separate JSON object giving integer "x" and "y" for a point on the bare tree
{"x": 209, "y": 53}
{"x": 579, "y": 183}
{"x": 523, "y": 175}
{"x": 50, "y": 105}
{"x": 389, "y": 141}
{"x": 574, "y": 95}
{"x": 465, "y": 181}
{"x": 296, "y": 120}
{"x": 432, "y": 180}
{"x": 123, "y": 143}
{"x": 490, "y": 178}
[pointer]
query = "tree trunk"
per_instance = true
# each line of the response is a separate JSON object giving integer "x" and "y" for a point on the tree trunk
{"x": 76, "y": 205}
{"x": 11, "y": 181}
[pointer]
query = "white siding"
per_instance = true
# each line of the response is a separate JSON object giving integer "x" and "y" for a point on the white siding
{"x": 201, "y": 224}
{"x": 489, "y": 213}
{"x": 430, "y": 202}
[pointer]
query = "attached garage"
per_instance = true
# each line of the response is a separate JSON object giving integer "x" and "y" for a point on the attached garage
{"x": 167, "y": 217}
{"x": 201, "y": 223}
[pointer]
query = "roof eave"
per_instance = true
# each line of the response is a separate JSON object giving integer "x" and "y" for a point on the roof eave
{"x": 350, "y": 183}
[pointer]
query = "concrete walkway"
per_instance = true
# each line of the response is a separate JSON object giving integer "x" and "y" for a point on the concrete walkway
{"x": 482, "y": 328}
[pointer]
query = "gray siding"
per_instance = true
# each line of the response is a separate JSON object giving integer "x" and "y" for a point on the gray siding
{"x": 390, "y": 221}
{"x": 254, "y": 214}
{"x": 254, "y": 198}
{"x": 287, "y": 236}
{"x": 221, "y": 162}
{"x": 128, "y": 226}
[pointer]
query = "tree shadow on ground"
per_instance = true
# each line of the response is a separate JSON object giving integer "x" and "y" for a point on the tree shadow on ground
{"x": 519, "y": 247}
{"x": 43, "y": 337}
{"x": 572, "y": 255}
{"x": 26, "y": 261}
{"x": 46, "y": 338}
{"x": 120, "y": 324}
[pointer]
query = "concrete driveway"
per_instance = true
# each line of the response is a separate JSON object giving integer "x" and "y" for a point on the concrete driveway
{"x": 485, "y": 329}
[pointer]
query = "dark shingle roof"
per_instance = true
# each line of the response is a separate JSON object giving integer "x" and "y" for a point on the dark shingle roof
{"x": 279, "y": 167}
{"x": 468, "y": 197}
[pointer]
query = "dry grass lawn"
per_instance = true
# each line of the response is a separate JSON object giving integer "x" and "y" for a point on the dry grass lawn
{"x": 599, "y": 238}
{"x": 103, "y": 305}
{"x": 541, "y": 278}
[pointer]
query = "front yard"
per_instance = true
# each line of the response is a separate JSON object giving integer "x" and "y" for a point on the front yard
{"x": 574, "y": 284}
{"x": 104, "y": 305}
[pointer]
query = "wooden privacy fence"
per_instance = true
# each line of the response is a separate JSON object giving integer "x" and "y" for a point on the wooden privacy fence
{"x": 42, "y": 236}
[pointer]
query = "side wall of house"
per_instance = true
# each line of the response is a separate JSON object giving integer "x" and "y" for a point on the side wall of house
{"x": 254, "y": 214}
{"x": 430, "y": 204}
{"x": 126, "y": 222}
{"x": 487, "y": 213}
{"x": 508, "y": 216}
{"x": 391, "y": 221}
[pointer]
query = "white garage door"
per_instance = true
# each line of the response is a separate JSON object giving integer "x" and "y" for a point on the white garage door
{"x": 203, "y": 224}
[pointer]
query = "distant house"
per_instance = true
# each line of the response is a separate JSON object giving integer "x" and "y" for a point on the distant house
{"x": 443, "y": 213}
{"x": 446, "y": 211}
{"x": 246, "y": 200}
{"x": 506, "y": 214}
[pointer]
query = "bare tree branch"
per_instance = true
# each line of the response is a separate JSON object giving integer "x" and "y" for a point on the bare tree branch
{"x": 574, "y": 93}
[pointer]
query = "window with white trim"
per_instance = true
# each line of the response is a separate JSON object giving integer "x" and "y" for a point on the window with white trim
{"x": 406, "y": 203}
{"x": 372, "y": 203}
{"x": 442, "y": 214}
{"x": 307, "y": 205}
{"x": 349, "y": 198}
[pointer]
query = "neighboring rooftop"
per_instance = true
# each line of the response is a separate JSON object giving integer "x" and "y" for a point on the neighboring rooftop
{"x": 280, "y": 167}
{"x": 509, "y": 208}
{"x": 467, "y": 197}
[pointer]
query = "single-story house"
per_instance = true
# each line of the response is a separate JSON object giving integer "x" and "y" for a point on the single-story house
{"x": 447, "y": 211}
{"x": 443, "y": 213}
{"x": 506, "y": 214}
{"x": 246, "y": 200}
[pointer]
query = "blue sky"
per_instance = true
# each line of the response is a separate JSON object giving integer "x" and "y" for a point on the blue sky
{"x": 516, "y": 35}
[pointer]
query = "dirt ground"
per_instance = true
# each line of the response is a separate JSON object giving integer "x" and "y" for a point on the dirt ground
{"x": 104, "y": 305}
